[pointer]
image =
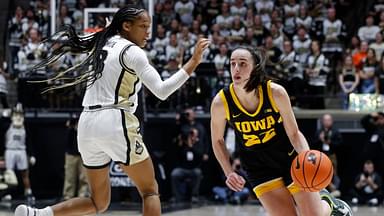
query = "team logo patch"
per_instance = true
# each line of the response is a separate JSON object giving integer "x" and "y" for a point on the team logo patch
{"x": 139, "y": 148}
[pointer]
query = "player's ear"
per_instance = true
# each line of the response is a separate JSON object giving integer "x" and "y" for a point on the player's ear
{"x": 126, "y": 26}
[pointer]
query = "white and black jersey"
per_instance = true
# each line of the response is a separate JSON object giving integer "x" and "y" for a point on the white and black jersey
{"x": 302, "y": 48}
{"x": 332, "y": 32}
{"x": 321, "y": 65}
{"x": 15, "y": 138}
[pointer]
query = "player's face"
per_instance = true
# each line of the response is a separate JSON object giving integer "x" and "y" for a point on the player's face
{"x": 139, "y": 30}
{"x": 241, "y": 66}
{"x": 18, "y": 120}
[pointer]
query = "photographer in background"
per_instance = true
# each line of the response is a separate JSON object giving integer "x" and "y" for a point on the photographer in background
{"x": 327, "y": 140}
{"x": 224, "y": 194}
{"x": 374, "y": 147}
{"x": 367, "y": 186}
{"x": 186, "y": 176}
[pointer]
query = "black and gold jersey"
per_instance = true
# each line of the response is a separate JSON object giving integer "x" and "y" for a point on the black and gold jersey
{"x": 262, "y": 142}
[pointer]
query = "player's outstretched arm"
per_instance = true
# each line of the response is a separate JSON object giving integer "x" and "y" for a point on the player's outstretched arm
{"x": 151, "y": 78}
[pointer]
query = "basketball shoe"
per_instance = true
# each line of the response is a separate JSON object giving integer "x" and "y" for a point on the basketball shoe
{"x": 23, "y": 210}
{"x": 338, "y": 206}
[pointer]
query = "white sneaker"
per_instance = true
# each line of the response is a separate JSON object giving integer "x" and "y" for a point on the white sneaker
{"x": 24, "y": 210}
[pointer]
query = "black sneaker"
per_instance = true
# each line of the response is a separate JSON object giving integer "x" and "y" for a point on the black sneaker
{"x": 338, "y": 206}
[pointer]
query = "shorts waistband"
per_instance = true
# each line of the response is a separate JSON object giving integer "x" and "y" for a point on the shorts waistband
{"x": 99, "y": 107}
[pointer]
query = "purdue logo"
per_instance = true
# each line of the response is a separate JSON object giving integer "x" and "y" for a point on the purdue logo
{"x": 138, "y": 148}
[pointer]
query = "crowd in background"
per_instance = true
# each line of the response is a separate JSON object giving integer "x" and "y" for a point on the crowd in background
{"x": 307, "y": 43}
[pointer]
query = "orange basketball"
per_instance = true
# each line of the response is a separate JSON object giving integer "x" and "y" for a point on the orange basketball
{"x": 312, "y": 170}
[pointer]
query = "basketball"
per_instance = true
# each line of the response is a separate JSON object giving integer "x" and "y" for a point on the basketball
{"x": 312, "y": 170}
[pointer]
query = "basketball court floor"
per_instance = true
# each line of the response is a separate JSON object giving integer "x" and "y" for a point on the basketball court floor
{"x": 227, "y": 210}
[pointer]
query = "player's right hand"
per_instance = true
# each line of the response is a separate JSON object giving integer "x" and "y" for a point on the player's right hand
{"x": 201, "y": 45}
{"x": 235, "y": 181}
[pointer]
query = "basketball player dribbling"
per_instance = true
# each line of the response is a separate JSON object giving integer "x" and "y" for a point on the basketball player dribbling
{"x": 260, "y": 112}
{"x": 108, "y": 130}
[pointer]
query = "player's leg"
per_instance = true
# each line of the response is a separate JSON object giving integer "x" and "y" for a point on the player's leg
{"x": 97, "y": 203}
{"x": 276, "y": 198}
{"x": 143, "y": 175}
{"x": 311, "y": 203}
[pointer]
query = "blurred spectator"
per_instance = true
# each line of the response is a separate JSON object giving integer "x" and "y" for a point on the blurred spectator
{"x": 359, "y": 56}
{"x": 64, "y": 17}
{"x": 302, "y": 44}
{"x": 78, "y": 15}
{"x": 31, "y": 53}
{"x": 369, "y": 31}
{"x": 30, "y": 21}
{"x": 223, "y": 77}
{"x": 291, "y": 11}
{"x": 334, "y": 33}
{"x": 381, "y": 21}
{"x": 250, "y": 39}
{"x": 186, "y": 176}
{"x": 226, "y": 195}
{"x": 237, "y": 32}
{"x": 213, "y": 10}
{"x": 15, "y": 35}
{"x": 264, "y": 8}
{"x": 327, "y": 140}
{"x": 248, "y": 22}
{"x": 75, "y": 182}
{"x": 316, "y": 72}
{"x": 354, "y": 46}
{"x": 349, "y": 80}
{"x": 260, "y": 31}
{"x": 373, "y": 124}
{"x": 292, "y": 73}
{"x": 186, "y": 38}
{"x": 378, "y": 46}
{"x": 189, "y": 121}
{"x": 367, "y": 188}
{"x": 273, "y": 54}
{"x": 224, "y": 20}
{"x": 184, "y": 8}
{"x": 303, "y": 19}
{"x": 367, "y": 73}
{"x": 238, "y": 9}
{"x": 277, "y": 36}
{"x": 379, "y": 77}
{"x": 4, "y": 75}
{"x": 173, "y": 48}
{"x": 168, "y": 14}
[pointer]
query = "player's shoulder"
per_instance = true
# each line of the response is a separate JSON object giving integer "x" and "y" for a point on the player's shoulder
{"x": 277, "y": 89}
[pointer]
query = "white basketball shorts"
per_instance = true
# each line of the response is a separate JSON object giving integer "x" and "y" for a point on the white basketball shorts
{"x": 16, "y": 159}
{"x": 110, "y": 134}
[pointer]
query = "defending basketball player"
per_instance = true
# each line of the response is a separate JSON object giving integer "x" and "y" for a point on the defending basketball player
{"x": 260, "y": 112}
{"x": 108, "y": 130}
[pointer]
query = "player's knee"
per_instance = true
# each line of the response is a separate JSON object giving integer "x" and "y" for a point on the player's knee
{"x": 150, "y": 190}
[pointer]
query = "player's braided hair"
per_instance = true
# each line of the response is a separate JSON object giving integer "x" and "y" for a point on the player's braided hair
{"x": 257, "y": 75}
{"x": 89, "y": 70}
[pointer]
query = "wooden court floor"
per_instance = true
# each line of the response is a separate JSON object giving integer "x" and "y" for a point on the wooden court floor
{"x": 227, "y": 210}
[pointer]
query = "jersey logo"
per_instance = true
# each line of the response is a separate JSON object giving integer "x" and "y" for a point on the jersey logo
{"x": 235, "y": 116}
{"x": 139, "y": 148}
{"x": 267, "y": 110}
{"x": 291, "y": 153}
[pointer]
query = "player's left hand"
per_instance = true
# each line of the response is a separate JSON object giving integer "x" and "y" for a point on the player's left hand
{"x": 32, "y": 160}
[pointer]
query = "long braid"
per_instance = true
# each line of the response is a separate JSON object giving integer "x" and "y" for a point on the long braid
{"x": 90, "y": 69}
